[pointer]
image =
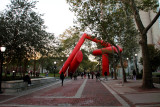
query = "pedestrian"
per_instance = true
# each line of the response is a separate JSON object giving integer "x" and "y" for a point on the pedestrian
{"x": 47, "y": 74}
{"x": 105, "y": 74}
{"x": 62, "y": 77}
{"x": 97, "y": 76}
{"x": 134, "y": 74}
{"x": 88, "y": 75}
{"x": 31, "y": 72}
{"x": 112, "y": 74}
{"x": 92, "y": 73}
{"x": 71, "y": 75}
{"x": 27, "y": 79}
{"x": 82, "y": 75}
{"x": 75, "y": 76}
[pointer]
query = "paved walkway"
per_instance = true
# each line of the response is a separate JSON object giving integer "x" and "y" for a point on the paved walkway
{"x": 134, "y": 95}
{"x": 85, "y": 92}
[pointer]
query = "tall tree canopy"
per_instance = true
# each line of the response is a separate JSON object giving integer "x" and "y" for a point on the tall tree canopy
{"x": 107, "y": 20}
{"x": 85, "y": 10}
{"x": 23, "y": 31}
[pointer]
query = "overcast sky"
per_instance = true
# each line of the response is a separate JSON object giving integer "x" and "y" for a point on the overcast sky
{"x": 56, "y": 14}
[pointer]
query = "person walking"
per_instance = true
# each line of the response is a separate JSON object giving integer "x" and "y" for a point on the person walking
{"x": 71, "y": 75}
{"x": 92, "y": 73}
{"x": 97, "y": 76}
{"x": 105, "y": 74}
{"x": 75, "y": 76}
{"x": 88, "y": 75}
{"x": 134, "y": 74}
{"x": 112, "y": 74}
{"x": 82, "y": 75}
{"x": 62, "y": 77}
{"x": 27, "y": 79}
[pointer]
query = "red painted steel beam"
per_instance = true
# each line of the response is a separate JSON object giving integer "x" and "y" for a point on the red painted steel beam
{"x": 101, "y": 42}
{"x": 106, "y": 50}
{"x": 72, "y": 55}
{"x": 79, "y": 44}
{"x": 75, "y": 63}
{"x": 105, "y": 64}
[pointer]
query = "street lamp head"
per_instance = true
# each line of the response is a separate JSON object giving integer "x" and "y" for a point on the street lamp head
{"x": 62, "y": 60}
{"x": 135, "y": 54}
{"x": 127, "y": 58}
{"x": 55, "y": 62}
{"x": 3, "y": 49}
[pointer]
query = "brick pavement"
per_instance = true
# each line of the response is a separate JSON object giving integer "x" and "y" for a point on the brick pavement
{"x": 85, "y": 92}
{"x": 134, "y": 95}
{"x": 81, "y": 92}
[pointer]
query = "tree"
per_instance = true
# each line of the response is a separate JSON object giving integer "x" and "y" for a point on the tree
{"x": 134, "y": 6}
{"x": 87, "y": 64}
{"x": 68, "y": 41}
{"x": 106, "y": 20}
{"x": 154, "y": 56}
{"x": 23, "y": 32}
{"x": 144, "y": 5}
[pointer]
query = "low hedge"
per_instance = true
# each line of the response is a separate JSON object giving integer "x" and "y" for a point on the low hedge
{"x": 10, "y": 78}
{"x": 156, "y": 74}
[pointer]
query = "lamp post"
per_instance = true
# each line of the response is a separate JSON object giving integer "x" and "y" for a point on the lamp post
{"x": 1, "y": 54}
{"x": 54, "y": 67}
{"x": 99, "y": 63}
{"x": 128, "y": 65}
{"x": 136, "y": 63}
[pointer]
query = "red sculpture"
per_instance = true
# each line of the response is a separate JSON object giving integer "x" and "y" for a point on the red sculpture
{"x": 105, "y": 64}
{"x": 76, "y": 56}
{"x": 75, "y": 63}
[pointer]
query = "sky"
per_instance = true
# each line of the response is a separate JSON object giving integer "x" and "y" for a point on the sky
{"x": 57, "y": 15}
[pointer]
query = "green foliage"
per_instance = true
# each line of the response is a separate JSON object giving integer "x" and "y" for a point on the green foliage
{"x": 156, "y": 74}
{"x": 68, "y": 41}
{"x": 147, "y": 5}
{"x": 23, "y": 32}
{"x": 86, "y": 64}
{"x": 110, "y": 20}
{"x": 154, "y": 56}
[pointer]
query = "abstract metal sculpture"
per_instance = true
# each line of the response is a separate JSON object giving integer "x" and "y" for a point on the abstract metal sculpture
{"x": 76, "y": 56}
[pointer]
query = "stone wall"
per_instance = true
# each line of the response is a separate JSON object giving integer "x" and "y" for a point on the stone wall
{"x": 19, "y": 85}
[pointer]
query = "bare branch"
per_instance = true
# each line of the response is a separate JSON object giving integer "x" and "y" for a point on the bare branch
{"x": 152, "y": 22}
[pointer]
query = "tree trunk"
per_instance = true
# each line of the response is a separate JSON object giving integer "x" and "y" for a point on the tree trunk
{"x": 25, "y": 67}
{"x": 42, "y": 69}
{"x": 115, "y": 73}
{"x": 124, "y": 73}
{"x": 147, "y": 72}
{"x": 121, "y": 62}
{"x": 34, "y": 69}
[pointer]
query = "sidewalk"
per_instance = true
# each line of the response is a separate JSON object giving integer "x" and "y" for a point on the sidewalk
{"x": 134, "y": 95}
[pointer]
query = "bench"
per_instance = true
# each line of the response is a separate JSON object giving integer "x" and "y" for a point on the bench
{"x": 130, "y": 77}
{"x": 156, "y": 80}
{"x": 19, "y": 85}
